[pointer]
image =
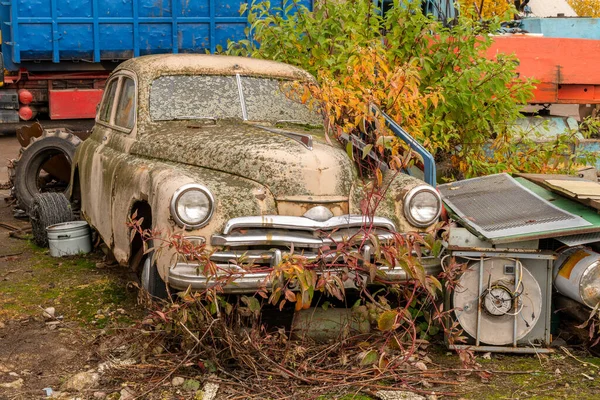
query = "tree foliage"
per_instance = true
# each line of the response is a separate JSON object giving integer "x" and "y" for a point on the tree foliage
{"x": 486, "y": 9}
{"x": 430, "y": 77}
{"x": 586, "y": 8}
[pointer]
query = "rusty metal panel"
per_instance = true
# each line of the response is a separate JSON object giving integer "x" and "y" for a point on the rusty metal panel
{"x": 74, "y": 103}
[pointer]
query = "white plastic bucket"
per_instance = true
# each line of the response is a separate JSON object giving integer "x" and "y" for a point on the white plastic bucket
{"x": 69, "y": 238}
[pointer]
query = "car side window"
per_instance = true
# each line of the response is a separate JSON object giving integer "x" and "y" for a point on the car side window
{"x": 107, "y": 104}
{"x": 125, "y": 113}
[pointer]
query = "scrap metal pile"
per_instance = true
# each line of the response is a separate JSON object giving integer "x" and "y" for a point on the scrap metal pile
{"x": 530, "y": 242}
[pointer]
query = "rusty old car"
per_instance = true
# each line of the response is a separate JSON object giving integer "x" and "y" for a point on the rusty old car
{"x": 214, "y": 147}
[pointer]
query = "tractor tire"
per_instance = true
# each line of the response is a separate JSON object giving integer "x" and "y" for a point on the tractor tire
{"x": 55, "y": 147}
{"x": 48, "y": 209}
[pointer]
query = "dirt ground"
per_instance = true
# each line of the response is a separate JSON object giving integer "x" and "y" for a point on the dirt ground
{"x": 40, "y": 355}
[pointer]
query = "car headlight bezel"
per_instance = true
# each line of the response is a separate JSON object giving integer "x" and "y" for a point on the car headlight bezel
{"x": 410, "y": 197}
{"x": 179, "y": 219}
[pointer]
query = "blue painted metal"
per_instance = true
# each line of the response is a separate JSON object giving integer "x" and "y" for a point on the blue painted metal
{"x": 95, "y": 30}
{"x": 575, "y": 28}
{"x": 428, "y": 160}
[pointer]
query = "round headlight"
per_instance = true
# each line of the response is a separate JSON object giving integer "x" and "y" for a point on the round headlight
{"x": 192, "y": 206}
{"x": 422, "y": 206}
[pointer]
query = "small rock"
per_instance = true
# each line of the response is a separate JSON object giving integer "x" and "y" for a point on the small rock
{"x": 2, "y": 325}
{"x": 558, "y": 342}
{"x": 487, "y": 356}
{"x": 12, "y": 385}
{"x": 210, "y": 390}
{"x": 81, "y": 381}
{"x": 398, "y": 395}
{"x": 13, "y": 374}
{"x": 432, "y": 397}
{"x": 421, "y": 365}
{"x": 567, "y": 385}
{"x": 127, "y": 394}
{"x": 426, "y": 384}
{"x": 557, "y": 371}
{"x": 49, "y": 313}
{"x": 177, "y": 381}
{"x": 99, "y": 395}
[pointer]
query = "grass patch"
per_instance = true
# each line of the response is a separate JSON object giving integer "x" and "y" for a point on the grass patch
{"x": 74, "y": 285}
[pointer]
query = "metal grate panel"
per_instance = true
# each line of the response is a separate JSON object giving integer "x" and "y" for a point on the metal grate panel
{"x": 578, "y": 240}
{"x": 498, "y": 206}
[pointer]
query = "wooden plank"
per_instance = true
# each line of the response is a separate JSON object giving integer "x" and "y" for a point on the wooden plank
{"x": 576, "y": 189}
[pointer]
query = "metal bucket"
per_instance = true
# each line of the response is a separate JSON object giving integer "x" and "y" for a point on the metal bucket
{"x": 69, "y": 238}
{"x": 577, "y": 275}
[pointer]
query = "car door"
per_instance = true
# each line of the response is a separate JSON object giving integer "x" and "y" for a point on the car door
{"x": 94, "y": 181}
{"x": 127, "y": 171}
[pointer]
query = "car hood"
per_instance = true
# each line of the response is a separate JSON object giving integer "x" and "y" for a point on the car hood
{"x": 283, "y": 165}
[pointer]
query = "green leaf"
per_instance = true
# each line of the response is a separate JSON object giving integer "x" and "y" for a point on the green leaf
{"x": 366, "y": 150}
{"x": 349, "y": 150}
{"x": 387, "y": 321}
{"x": 369, "y": 357}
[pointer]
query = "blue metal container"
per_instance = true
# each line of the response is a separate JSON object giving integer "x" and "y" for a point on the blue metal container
{"x": 574, "y": 28}
{"x": 104, "y": 30}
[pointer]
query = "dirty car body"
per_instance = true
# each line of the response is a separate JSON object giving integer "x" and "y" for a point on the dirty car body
{"x": 217, "y": 148}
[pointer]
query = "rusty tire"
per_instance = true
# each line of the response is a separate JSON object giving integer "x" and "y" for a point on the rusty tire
{"x": 52, "y": 143}
{"x": 48, "y": 209}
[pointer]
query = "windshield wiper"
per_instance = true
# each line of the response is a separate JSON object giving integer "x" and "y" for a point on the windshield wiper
{"x": 190, "y": 117}
{"x": 298, "y": 122}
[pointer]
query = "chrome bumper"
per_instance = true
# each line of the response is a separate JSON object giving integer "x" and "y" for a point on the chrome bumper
{"x": 262, "y": 241}
{"x": 184, "y": 275}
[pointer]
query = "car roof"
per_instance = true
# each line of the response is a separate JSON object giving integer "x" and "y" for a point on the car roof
{"x": 207, "y": 64}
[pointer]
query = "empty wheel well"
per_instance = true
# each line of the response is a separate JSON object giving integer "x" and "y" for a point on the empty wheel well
{"x": 141, "y": 209}
{"x": 75, "y": 195}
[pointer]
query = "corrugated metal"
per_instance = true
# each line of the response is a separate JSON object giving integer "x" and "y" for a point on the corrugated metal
{"x": 95, "y": 30}
{"x": 498, "y": 206}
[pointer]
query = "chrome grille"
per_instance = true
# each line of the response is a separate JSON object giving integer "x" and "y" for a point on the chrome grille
{"x": 264, "y": 239}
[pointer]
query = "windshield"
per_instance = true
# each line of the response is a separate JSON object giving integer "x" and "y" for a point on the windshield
{"x": 230, "y": 97}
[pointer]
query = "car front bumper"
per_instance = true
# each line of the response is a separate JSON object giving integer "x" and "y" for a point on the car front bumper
{"x": 184, "y": 275}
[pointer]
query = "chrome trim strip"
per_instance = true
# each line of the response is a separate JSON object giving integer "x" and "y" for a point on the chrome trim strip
{"x": 241, "y": 94}
{"x": 258, "y": 237}
{"x": 307, "y": 224}
{"x": 183, "y": 275}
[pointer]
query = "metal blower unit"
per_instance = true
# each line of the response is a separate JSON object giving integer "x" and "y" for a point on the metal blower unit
{"x": 503, "y": 301}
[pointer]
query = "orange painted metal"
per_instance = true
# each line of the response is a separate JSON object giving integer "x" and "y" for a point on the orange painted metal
{"x": 568, "y": 70}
